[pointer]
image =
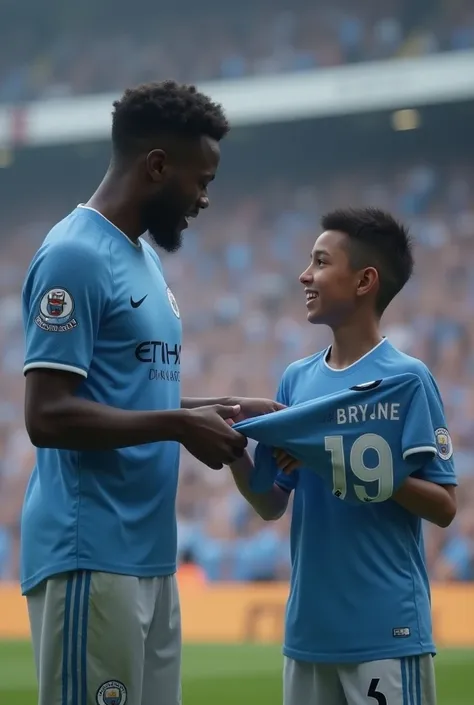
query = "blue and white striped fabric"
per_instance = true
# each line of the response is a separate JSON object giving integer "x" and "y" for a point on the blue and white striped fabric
{"x": 411, "y": 680}
{"x": 76, "y": 618}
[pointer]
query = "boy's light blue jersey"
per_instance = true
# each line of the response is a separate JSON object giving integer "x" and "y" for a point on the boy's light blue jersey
{"x": 97, "y": 305}
{"x": 363, "y": 441}
{"x": 359, "y": 586}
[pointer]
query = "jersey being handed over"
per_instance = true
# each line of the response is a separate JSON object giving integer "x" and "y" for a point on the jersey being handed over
{"x": 359, "y": 586}
{"x": 363, "y": 441}
{"x": 97, "y": 305}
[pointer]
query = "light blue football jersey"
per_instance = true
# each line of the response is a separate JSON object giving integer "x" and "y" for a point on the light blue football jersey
{"x": 359, "y": 586}
{"x": 363, "y": 441}
{"x": 97, "y": 304}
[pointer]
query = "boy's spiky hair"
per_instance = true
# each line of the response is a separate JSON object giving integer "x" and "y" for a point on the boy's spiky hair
{"x": 376, "y": 240}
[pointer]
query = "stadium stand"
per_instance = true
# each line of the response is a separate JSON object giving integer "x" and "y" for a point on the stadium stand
{"x": 241, "y": 304}
{"x": 86, "y": 50}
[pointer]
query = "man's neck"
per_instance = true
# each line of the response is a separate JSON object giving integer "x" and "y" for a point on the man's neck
{"x": 112, "y": 199}
{"x": 351, "y": 342}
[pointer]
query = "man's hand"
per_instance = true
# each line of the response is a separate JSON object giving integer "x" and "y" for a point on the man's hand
{"x": 208, "y": 435}
{"x": 285, "y": 462}
{"x": 255, "y": 407}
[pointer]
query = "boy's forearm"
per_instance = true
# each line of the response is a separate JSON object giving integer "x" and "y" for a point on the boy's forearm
{"x": 269, "y": 505}
{"x": 435, "y": 503}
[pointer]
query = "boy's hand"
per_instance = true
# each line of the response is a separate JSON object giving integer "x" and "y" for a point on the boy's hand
{"x": 250, "y": 407}
{"x": 285, "y": 462}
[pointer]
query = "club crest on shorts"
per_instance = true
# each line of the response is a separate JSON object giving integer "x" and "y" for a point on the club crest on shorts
{"x": 111, "y": 693}
{"x": 56, "y": 311}
{"x": 173, "y": 302}
{"x": 444, "y": 443}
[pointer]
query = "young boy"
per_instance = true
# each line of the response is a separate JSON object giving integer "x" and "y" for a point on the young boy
{"x": 358, "y": 625}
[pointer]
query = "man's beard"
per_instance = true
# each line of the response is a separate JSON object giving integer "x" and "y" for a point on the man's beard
{"x": 170, "y": 241}
{"x": 163, "y": 218}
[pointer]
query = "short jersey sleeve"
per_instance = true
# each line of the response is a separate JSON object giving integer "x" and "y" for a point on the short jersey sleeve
{"x": 418, "y": 438}
{"x": 440, "y": 468}
{"x": 65, "y": 294}
{"x": 266, "y": 471}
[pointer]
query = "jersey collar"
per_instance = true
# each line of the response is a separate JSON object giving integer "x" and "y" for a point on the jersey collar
{"x": 106, "y": 221}
{"x": 350, "y": 368}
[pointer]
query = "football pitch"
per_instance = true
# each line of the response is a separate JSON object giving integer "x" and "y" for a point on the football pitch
{"x": 230, "y": 675}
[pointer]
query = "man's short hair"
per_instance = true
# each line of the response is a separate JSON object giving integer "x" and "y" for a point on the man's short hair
{"x": 165, "y": 108}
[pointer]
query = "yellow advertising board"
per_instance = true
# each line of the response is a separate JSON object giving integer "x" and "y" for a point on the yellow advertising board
{"x": 236, "y": 613}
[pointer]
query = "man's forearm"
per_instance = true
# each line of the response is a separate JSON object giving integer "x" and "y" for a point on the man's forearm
{"x": 196, "y": 402}
{"x": 435, "y": 503}
{"x": 269, "y": 505}
{"x": 79, "y": 424}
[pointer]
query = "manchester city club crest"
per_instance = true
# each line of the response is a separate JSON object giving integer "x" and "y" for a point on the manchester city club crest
{"x": 56, "y": 303}
{"x": 112, "y": 693}
{"x": 173, "y": 302}
{"x": 444, "y": 443}
{"x": 56, "y": 311}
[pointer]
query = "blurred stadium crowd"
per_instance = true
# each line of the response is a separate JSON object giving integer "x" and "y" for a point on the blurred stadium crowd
{"x": 244, "y": 320}
{"x": 88, "y": 48}
{"x": 236, "y": 280}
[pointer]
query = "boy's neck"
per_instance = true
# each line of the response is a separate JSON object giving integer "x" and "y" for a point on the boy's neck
{"x": 353, "y": 341}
